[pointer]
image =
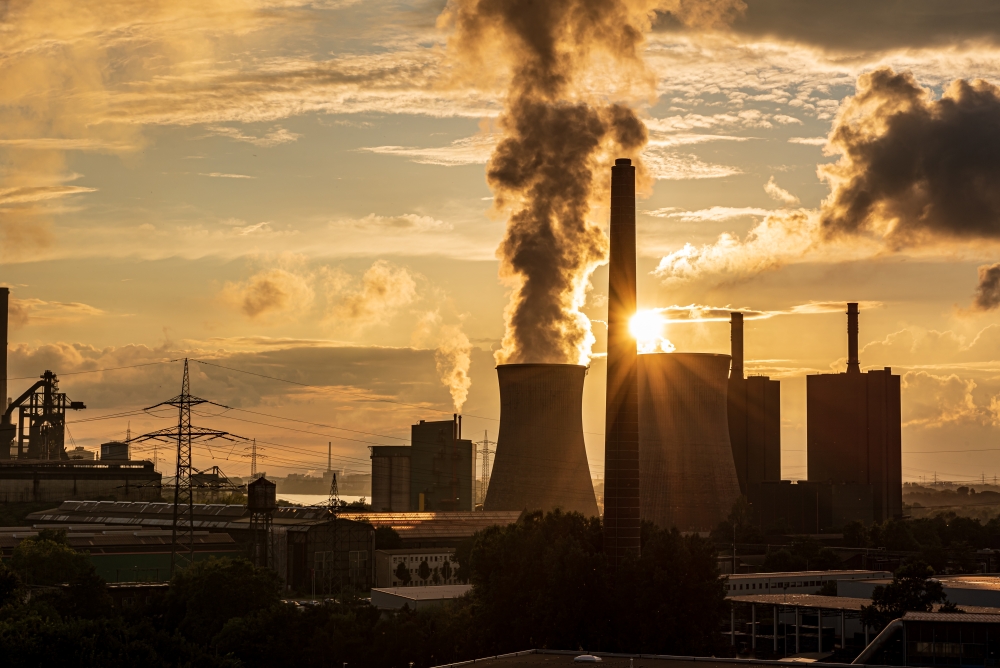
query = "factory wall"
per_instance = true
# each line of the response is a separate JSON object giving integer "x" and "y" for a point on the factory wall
{"x": 391, "y": 478}
{"x": 853, "y": 431}
{"x": 809, "y": 507}
{"x": 61, "y": 480}
{"x": 687, "y": 475}
{"x": 442, "y": 467}
{"x": 541, "y": 461}
{"x": 754, "y": 414}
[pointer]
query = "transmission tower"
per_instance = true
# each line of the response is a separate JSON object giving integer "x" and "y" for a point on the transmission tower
{"x": 484, "y": 454}
{"x": 333, "y": 503}
{"x": 253, "y": 456}
{"x": 185, "y": 435}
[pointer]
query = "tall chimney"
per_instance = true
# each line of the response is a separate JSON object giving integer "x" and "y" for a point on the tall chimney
{"x": 853, "y": 365}
{"x": 4, "y": 298}
{"x": 736, "y": 343}
{"x": 621, "y": 454}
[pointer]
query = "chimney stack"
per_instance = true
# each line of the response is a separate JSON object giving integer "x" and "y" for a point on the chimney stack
{"x": 4, "y": 298}
{"x": 621, "y": 445}
{"x": 736, "y": 342}
{"x": 853, "y": 365}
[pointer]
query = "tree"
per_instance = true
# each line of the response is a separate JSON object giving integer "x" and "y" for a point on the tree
{"x": 10, "y": 585}
{"x": 424, "y": 570}
{"x": 911, "y": 590}
{"x": 387, "y": 538}
{"x": 403, "y": 573}
{"x": 855, "y": 534}
{"x": 49, "y": 561}
{"x": 207, "y": 593}
{"x": 436, "y": 576}
{"x": 446, "y": 571}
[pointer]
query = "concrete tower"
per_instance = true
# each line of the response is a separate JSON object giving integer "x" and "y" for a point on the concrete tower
{"x": 541, "y": 459}
{"x": 688, "y": 476}
{"x": 621, "y": 455}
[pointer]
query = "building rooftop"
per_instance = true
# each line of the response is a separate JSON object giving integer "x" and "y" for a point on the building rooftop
{"x": 831, "y": 602}
{"x": 414, "y": 550}
{"x": 951, "y": 617}
{"x": 555, "y": 659}
{"x": 426, "y": 593}
{"x": 98, "y": 539}
{"x": 822, "y": 575}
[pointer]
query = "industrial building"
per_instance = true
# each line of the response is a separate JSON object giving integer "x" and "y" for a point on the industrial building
{"x": 312, "y": 551}
{"x": 34, "y": 463}
{"x": 541, "y": 460}
{"x": 438, "y": 563}
{"x": 436, "y": 530}
{"x": 854, "y": 429}
{"x": 687, "y": 476}
{"x": 621, "y": 431}
{"x": 810, "y": 507}
{"x": 797, "y": 582}
{"x": 982, "y": 590}
{"x": 754, "y": 415}
{"x": 417, "y": 598}
{"x": 436, "y": 472}
{"x": 125, "y": 554}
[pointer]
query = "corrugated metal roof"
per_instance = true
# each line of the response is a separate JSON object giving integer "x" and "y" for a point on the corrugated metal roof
{"x": 823, "y": 575}
{"x": 952, "y": 617}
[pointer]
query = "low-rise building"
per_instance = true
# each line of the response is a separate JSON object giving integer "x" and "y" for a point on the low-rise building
{"x": 416, "y": 567}
{"x": 799, "y": 582}
{"x": 978, "y": 590}
{"x": 416, "y": 598}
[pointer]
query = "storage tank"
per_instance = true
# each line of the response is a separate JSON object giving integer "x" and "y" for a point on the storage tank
{"x": 687, "y": 475}
{"x": 541, "y": 460}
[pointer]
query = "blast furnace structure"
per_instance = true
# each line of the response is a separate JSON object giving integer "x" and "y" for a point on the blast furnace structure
{"x": 688, "y": 479}
{"x": 621, "y": 454}
{"x": 541, "y": 459}
{"x": 853, "y": 428}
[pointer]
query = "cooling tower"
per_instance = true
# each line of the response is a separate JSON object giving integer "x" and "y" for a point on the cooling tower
{"x": 621, "y": 440}
{"x": 687, "y": 475}
{"x": 541, "y": 461}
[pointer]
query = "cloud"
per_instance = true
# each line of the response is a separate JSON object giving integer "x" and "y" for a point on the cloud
{"x": 713, "y": 214}
{"x": 988, "y": 291}
{"x": 371, "y": 300}
{"x": 271, "y": 292}
{"x": 468, "y": 151}
{"x": 915, "y": 170}
{"x": 779, "y": 194}
{"x": 26, "y": 194}
{"x": 275, "y": 137}
{"x": 221, "y": 175}
{"x": 670, "y": 166}
{"x": 936, "y": 401}
{"x": 31, "y": 311}
{"x": 808, "y": 141}
{"x": 407, "y": 222}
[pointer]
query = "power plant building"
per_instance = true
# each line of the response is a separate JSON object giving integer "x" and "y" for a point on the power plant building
{"x": 621, "y": 440}
{"x": 435, "y": 473}
{"x": 854, "y": 431}
{"x": 754, "y": 414}
{"x": 688, "y": 479}
{"x": 541, "y": 459}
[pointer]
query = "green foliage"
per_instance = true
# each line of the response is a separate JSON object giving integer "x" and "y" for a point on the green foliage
{"x": 424, "y": 570}
{"x": 207, "y": 594}
{"x": 403, "y": 574}
{"x": 803, "y": 554}
{"x": 446, "y": 570}
{"x": 911, "y": 590}
{"x": 42, "y": 561}
{"x": 855, "y": 534}
{"x": 387, "y": 538}
{"x": 10, "y": 585}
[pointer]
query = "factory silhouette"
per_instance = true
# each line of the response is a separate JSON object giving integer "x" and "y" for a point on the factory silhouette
{"x": 687, "y": 434}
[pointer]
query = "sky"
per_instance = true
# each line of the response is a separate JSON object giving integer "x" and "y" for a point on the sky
{"x": 296, "y": 196}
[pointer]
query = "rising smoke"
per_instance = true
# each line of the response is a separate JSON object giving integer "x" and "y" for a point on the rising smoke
{"x": 559, "y": 137}
{"x": 988, "y": 291}
{"x": 914, "y": 169}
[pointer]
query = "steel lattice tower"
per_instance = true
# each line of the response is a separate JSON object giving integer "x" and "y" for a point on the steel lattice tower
{"x": 485, "y": 474}
{"x": 185, "y": 435}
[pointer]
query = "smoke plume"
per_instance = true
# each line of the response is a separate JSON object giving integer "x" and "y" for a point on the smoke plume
{"x": 271, "y": 291}
{"x": 988, "y": 291}
{"x": 559, "y": 138}
{"x": 914, "y": 170}
{"x": 375, "y": 299}
{"x": 453, "y": 358}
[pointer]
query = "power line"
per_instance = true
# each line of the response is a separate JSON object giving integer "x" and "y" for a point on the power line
{"x": 112, "y": 368}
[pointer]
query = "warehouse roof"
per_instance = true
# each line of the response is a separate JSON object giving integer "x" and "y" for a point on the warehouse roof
{"x": 438, "y": 525}
{"x": 559, "y": 659}
{"x": 823, "y": 575}
{"x": 951, "y": 617}
{"x": 845, "y": 603}
{"x": 97, "y": 539}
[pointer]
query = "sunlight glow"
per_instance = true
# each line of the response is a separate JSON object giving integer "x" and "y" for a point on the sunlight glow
{"x": 648, "y": 328}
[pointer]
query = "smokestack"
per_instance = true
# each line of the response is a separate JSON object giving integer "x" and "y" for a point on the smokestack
{"x": 736, "y": 343}
{"x": 853, "y": 365}
{"x": 4, "y": 299}
{"x": 621, "y": 454}
{"x": 541, "y": 459}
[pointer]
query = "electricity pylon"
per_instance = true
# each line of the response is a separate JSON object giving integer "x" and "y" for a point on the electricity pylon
{"x": 185, "y": 434}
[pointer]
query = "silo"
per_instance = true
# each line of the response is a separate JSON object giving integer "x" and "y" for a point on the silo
{"x": 687, "y": 475}
{"x": 541, "y": 460}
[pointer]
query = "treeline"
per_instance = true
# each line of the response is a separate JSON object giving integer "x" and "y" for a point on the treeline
{"x": 543, "y": 582}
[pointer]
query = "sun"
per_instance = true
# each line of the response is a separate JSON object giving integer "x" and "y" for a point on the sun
{"x": 647, "y": 327}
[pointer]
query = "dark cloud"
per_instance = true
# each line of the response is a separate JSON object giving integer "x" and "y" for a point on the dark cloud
{"x": 866, "y": 25}
{"x": 988, "y": 291}
{"x": 915, "y": 169}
